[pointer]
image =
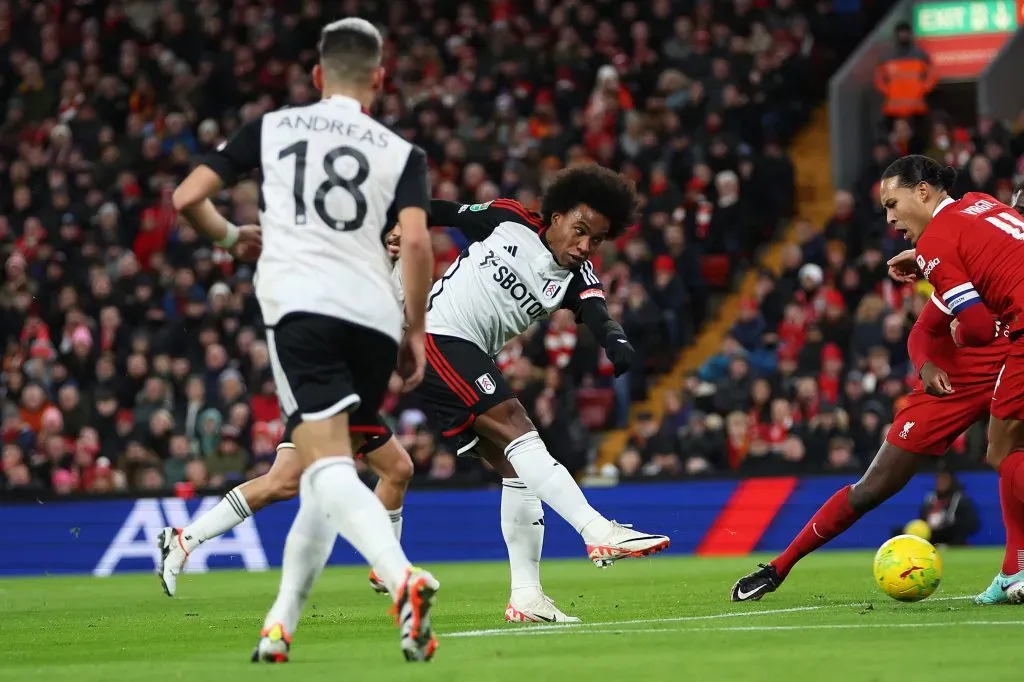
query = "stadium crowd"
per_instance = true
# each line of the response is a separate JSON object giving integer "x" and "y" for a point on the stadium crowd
{"x": 133, "y": 356}
{"x": 812, "y": 373}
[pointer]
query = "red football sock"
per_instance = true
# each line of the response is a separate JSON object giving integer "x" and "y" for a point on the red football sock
{"x": 831, "y": 519}
{"x": 1011, "y": 498}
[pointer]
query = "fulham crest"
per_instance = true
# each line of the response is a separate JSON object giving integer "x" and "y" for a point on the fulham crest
{"x": 486, "y": 384}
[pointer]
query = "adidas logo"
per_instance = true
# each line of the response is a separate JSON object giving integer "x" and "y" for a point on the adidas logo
{"x": 511, "y": 249}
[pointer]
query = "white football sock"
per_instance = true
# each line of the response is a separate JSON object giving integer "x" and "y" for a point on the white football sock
{"x": 522, "y": 525}
{"x": 306, "y": 550}
{"x": 356, "y": 513}
{"x": 555, "y": 486}
{"x": 228, "y": 513}
{"x": 396, "y": 522}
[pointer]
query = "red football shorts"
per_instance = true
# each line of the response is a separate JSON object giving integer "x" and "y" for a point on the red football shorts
{"x": 929, "y": 425}
{"x": 1008, "y": 396}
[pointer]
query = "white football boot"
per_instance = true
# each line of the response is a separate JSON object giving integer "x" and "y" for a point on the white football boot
{"x": 539, "y": 608}
{"x": 622, "y": 542}
{"x": 173, "y": 556}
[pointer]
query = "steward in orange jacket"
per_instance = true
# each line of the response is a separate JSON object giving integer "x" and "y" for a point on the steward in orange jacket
{"x": 905, "y": 78}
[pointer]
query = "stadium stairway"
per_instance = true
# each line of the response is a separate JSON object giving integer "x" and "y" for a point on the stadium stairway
{"x": 810, "y": 154}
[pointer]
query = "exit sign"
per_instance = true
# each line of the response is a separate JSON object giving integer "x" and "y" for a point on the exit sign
{"x": 934, "y": 19}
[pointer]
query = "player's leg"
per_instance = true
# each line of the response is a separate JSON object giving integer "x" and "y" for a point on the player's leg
{"x": 393, "y": 466}
{"x": 925, "y": 428}
{"x": 307, "y": 548}
{"x": 324, "y": 369}
{"x": 306, "y": 551}
{"x": 507, "y": 426}
{"x": 890, "y": 470}
{"x": 1006, "y": 455}
{"x": 522, "y": 526}
{"x": 464, "y": 388}
{"x": 280, "y": 483}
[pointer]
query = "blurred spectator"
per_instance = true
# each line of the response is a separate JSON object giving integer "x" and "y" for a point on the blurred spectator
{"x": 949, "y": 512}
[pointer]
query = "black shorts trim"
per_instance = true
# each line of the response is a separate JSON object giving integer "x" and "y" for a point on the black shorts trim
{"x": 460, "y": 428}
{"x": 464, "y": 449}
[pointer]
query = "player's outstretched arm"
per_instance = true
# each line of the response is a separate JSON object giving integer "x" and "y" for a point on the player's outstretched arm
{"x": 471, "y": 223}
{"x": 191, "y": 202}
{"x": 218, "y": 169}
{"x": 586, "y": 299}
{"x": 476, "y": 222}
{"x": 610, "y": 335}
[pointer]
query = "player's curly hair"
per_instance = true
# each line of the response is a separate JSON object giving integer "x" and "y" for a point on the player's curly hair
{"x": 601, "y": 189}
{"x": 914, "y": 169}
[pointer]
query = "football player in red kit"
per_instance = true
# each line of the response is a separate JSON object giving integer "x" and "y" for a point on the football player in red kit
{"x": 956, "y": 392}
{"x": 972, "y": 252}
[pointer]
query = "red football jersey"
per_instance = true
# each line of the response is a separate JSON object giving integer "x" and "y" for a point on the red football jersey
{"x": 973, "y": 251}
{"x": 965, "y": 366}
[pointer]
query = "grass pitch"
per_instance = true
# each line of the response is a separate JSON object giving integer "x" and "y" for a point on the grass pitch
{"x": 657, "y": 619}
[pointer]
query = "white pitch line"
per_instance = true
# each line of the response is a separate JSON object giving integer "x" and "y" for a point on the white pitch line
{"x": 490, "y": 632}
{"x": 639, "y": 621}
{"x": 526, "y": 632}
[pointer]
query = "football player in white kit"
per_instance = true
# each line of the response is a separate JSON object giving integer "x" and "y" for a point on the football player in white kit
{"x": 379, "y": 449}
{"x": 521, "y": 267}
{"x": 333, "y": 181}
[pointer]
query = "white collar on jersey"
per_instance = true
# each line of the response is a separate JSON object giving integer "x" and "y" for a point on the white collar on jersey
{"x": 345, "y": 101}
{"x": 943, "y": 204}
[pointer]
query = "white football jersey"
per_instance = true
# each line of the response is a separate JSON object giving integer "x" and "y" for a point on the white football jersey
{"x": 333, "y": 183}
{"x": 506, "y": 280}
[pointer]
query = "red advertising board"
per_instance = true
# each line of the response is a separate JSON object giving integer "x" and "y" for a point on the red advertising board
{"x": 962, "y": 57}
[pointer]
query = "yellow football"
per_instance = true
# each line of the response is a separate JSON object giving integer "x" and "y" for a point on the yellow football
{"x": 908, "y": 568}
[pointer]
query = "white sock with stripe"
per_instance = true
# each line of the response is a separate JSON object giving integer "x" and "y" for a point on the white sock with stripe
{"x": 555, "y": 486}
{"x": 228, "y": 513}
{"x": 306, "y": 550}
{"x": 357, "y": 514}
{"x": 522, "y": 525}
{"x": 396, "y": 522}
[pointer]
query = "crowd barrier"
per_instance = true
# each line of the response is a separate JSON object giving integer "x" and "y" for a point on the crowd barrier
{"x": 715, "y": 517}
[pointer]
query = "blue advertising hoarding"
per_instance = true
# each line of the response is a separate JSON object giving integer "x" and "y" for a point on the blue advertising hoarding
{"x": 102, "y": 537}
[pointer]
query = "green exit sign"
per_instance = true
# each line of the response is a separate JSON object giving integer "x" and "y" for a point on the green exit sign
{"x": 964, "y": 18}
